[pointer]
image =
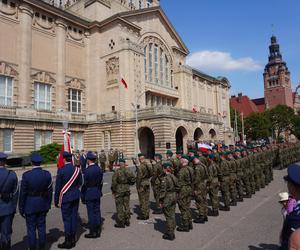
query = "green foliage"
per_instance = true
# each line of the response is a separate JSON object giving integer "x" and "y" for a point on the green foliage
{"x": 281, "y": 118}
{"x": 257, "y": 126}
{"x": 49, "y": 152}
{"x": 296, "y": 125}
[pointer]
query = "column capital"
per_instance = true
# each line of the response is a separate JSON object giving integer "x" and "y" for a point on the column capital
{"x": 61, "y": 24}
{"x": 26, "y": 10}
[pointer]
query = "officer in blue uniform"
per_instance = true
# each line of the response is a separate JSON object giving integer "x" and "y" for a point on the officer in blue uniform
{"x": 83, "y": 160}
{"x": 8, "y": 202}
{"x": 67, "y": 196}
{"x": 91, "y": 195}
{"x": 292, "y": 220}
{"x": 35, "y": 201}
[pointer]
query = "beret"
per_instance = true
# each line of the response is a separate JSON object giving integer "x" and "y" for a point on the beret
{"x": 178, "y": 152}
{"x": 185, "y": 157}
{"x": 141, "y": 155}
{"x": 158, "y": 156}
{"x": 167, "y": 164}
{"x": 122, "y": 160}
{"x": 169, "y": 152}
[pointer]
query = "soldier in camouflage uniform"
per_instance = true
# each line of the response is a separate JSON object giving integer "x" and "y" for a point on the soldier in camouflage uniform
{"x": 102, "y": 160}
{"x": 185, "y": 181}
{"x": 245, "y": 164}
{"x": 143, "y": 187}
{"x": 233, "y": 179}
{"x": 121, "y": 180}
{"x": 224, "y": 179}
{"x": 239, "y": 175}
{"x": 167, "y": 199}
{"x": 200, "y": 190}
{"x": 155, "y": 180}
{"x": 213, "y": 184}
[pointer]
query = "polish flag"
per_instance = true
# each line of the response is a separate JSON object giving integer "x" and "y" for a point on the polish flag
{"x": 65, "y": 147}
{"x": 124, "y": 83}
{"x": 204, "y": 147}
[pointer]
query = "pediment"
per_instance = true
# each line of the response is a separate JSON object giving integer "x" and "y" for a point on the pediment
{"x": 157, "y": 12}
{"x": 7, "y": 69}
{"x": 43, "y": 77}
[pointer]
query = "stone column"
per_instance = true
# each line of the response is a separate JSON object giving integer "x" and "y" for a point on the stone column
{"x": 25, "y": 46}
{"x": 61, "y": 64}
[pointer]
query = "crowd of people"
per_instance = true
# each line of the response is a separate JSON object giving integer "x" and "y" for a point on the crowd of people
{"x": 226, "y": 174}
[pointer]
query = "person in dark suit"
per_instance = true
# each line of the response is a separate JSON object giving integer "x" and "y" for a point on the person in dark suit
{"x": 67, "y": 196}
{"x": 8, "y": 202}
{"x": 35, "y": 201}
{"x": 91, "y": 195}
{"x": 83, "y": 160}
{"x": 292, "y": 220}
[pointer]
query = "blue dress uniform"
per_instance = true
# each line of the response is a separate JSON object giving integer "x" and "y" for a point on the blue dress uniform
{"x": 35, "y": 201}
{"x": 70, "y": 200}
{"x": 292, "y": 220}
{"x": 91, "y": 195}
{"x": 8, "y": 202}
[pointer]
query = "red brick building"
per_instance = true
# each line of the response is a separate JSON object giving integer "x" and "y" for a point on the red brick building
{"x": 277, "y": 86}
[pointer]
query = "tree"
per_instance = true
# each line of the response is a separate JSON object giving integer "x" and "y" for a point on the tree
{"x": 257, "y": 126}
{"x": 296, "y": 125}
{"x": 281, "y": 118}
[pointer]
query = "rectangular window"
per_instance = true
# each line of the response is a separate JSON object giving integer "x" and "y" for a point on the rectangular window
{"x": 77, "y": 140}
{"x": 7, "y": 140}
{"x": 42, "y": 138}
{"x": 161, "y": 68}
{"x": 167, "y": 69}
{"x": 48, "y": 137}
{"x": 156, "y": 63}
{"x": 74, "y": 102}
{"x": 37, "y": 139}
{"x": 145, "y": 63}
{"x": 80, "y": 140}
{"x": 150, "y": 62}
{"x": 6, "y": 91}
{"x": 42, "y": 96}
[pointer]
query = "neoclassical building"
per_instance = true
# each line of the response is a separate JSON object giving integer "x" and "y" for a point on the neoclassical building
{"x": 63, "y": 61}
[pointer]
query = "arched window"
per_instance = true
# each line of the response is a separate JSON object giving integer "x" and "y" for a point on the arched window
{"x": 157, "y": 67}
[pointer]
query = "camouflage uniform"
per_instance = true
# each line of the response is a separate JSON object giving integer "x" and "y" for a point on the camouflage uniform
{"x": 224, "y": 179}
{"x": 143, "y": 189}
{"x": 155, "y": 181}
{"x": 102, "y": 160}
{"x": 121, "y": 180}
{"x": 167, "y": 198}
{"x": 200, "y": 191}
{"x": 185, "y": 180}
{"x": 233, "y": 180}
{"x": 213, "y": 186}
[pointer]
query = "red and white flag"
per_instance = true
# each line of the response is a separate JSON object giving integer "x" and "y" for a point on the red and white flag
{"x": 124, "y": 83}
{"x": 65, "y": 147}
{"x": 204, "y": 147}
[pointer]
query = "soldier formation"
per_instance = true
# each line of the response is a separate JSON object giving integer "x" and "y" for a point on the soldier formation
{"x": 235, "y": 172}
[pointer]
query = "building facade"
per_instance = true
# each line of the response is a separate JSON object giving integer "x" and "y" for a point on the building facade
{"x": 62, "y": 61}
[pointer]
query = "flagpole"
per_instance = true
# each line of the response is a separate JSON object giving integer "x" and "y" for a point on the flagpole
{"x": 120, "y": 114}
{"x": 243, "y": 132}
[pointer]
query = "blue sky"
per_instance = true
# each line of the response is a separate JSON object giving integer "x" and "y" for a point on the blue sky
{"x": 231, "y": 37}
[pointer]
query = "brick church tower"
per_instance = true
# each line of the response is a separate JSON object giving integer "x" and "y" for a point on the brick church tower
{"x": 277, "y": 81}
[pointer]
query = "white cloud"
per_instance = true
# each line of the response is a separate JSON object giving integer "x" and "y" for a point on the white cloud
{"x": 223, "y": 61}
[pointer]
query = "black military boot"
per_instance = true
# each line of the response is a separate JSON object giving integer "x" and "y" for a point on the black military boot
{"x": 42, "y": 246}
{"x": 168, "y": 236}
{"x": 127, "y": 223}
{"x": 182, "y": 229}
{"x": 199, "y": 220}
{"x": 119, "y": 225}
{"x": 225, "y": 208}
{"x": 215, "y": 212}
{"x": 67, "y": 244}
{"x": 92, "y": 234}
{"x": 6, "y": 246}
{"x": 248, "y": 196}
{"x": 233, "y": 203}
{"x": 32, "y": 248}
{"x": 191, "y": 226}
{"x": 98, "y": 230}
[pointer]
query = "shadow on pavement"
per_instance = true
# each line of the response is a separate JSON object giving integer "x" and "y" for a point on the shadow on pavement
{"x": 159, "y": 225}
{"x": 52, "y": 237}
{"x": 263, "y": 246}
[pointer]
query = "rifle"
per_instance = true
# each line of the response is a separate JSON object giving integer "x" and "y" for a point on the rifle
{"x": 134, "y": 163}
